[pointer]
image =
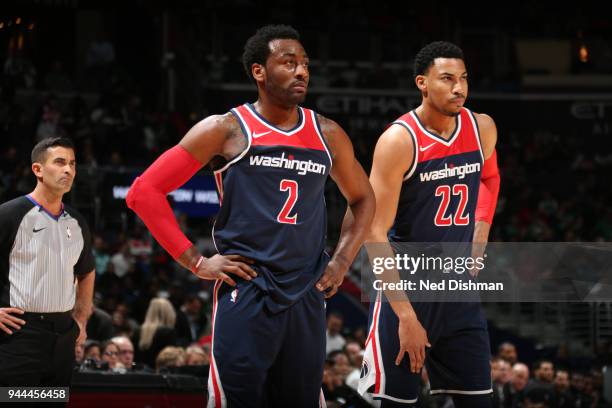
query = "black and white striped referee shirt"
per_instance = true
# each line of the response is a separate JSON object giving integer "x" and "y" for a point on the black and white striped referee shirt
{"x": 40, "y": 256}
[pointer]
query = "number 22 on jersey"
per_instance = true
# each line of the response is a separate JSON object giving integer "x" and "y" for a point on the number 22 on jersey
{"x": 459, "y": 218}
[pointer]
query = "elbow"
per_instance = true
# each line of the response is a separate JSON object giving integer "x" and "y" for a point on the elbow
{"x": 139, "y": 194}
{"x": 132, "y": 195}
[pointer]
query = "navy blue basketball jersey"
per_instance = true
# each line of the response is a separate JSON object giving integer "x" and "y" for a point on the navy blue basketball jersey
{"x": 273, "y": 205}
{"x": 438, "y": 198}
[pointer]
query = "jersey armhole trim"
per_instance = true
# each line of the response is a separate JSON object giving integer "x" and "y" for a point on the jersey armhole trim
{"x": 317, "y": 127}
{"x": 477, "y": 133}
{"x": 247, "y": 133}
{"x": 415, "y": 149}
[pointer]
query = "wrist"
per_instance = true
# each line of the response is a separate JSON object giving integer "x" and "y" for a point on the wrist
{"x": 404, "y": 312}
{"x": 198, "y": 262}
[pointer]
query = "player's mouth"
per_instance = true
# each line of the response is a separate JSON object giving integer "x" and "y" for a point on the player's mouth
{"x": 299, "y": 86}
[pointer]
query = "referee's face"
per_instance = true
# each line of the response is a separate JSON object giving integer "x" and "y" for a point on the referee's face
{"x": 58, "y": 170}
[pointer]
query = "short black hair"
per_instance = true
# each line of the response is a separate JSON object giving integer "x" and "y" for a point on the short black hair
{"x": 437, "y": 49}
{"x": 538, "y": 364}
{"x": 257, "y": 47}
{"x": 39, "y": 152}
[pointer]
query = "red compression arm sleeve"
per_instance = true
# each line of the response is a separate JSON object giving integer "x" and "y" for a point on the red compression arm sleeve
{"x": 147, "y": 197}
{"x": 489, "y": 190}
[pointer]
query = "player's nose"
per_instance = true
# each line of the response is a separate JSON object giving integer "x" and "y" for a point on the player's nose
{"x": 301, "y": 71}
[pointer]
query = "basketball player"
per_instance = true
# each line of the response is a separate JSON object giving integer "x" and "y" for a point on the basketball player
{"x": 271, "y": 160}
{"x": 451, "y": 339}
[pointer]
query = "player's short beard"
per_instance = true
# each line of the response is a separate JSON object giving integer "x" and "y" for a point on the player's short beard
{"x": 284, "y": 95}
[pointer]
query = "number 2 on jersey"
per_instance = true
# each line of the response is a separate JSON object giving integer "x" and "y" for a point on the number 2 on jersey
{"x": 459, "y": 218}
{"x": 283, "y": 216}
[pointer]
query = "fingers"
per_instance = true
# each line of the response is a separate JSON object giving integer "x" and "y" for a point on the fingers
{"x": 246, "y": 268}
{"x": 324, "y": 283}
{"x": 225, "y": 278}
{"x": 400, "y": 356}
{"x": 237, "y": 270}
{"x": 414, "y": 361}
{"x": 240, "y": 258}
{"x": 14, "y": 319}
{"x": 13, "y": 310}
{"x": 13, "y": 324}
{"x": 331, "y": 292}
{"x": 5, "y": 329}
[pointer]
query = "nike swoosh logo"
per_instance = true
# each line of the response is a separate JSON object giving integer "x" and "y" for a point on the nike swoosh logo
{"x": 256, "y": 135}
{"x": 38, "y": 230}
{"x": 422, "y": 149}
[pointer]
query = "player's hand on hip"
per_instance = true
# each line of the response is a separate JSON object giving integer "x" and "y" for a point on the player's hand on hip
{"x": 222, "y": 266}
{"x": 413, "y": 340}
{"x": 332, "y": 279}
{"x": 8, "y": 321}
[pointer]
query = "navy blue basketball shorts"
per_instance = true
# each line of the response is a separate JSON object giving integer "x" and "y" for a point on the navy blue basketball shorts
{"x": 458, "y": 363}
{"x": 261, "y": 359}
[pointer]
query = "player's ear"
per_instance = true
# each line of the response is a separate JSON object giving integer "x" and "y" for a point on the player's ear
{"x": 421, "y": 82}
{"x": 259, "y": 72}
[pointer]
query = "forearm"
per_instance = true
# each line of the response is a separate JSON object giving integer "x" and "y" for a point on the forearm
{"x": 378, "y": 247}
{"x": 147, "y": 197}
{"x": 83, "y": 305}
{"x": 481, "y": 232}
{"x": 355, "y": 226}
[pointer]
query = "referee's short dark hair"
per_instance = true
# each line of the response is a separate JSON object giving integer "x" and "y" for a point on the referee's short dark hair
{"x": 39, "y": 152}
{"x": 257, "y": 48}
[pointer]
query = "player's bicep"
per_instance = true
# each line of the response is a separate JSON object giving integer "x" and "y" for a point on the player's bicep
{"x": 488, "y": 134}
{"x": 346, "y": 171}
{"x": 206, "y": 139}
{"x": 393, "y": 157}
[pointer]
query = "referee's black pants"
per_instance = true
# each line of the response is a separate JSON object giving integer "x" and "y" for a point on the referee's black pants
{"x": 41, "y": 353}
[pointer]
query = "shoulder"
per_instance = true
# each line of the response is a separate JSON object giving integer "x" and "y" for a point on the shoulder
{"x": 488, "y": 132}
{"x": 15, "y": 207}
{"x": 218, "y": 124}
{"x": 486, "y": 125}
{"x": 330, "y": 128}
{"x": 74, "y": 213}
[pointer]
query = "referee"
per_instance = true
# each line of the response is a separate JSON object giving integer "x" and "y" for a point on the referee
{"x": 46, "y": 275}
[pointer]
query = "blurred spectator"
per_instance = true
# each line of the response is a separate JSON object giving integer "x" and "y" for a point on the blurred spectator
{"x": 193, "y": 307}
{"x": 100, "y": 325}
{"x": 543, "y": 371}
{"x": 110, "y": 355}
{"x": 342, "y": 367}
{"x": 19, "y": 71}
{"x": 101, "y": 256}
{"x": 507, "y": 351}
{"x": 92, "y": 350}
{"x": 513, "y": 390}
{"x": 194, "y": 355}
{"x": 500, "y": 376}
{"x": 49, "y": 124}
{"x": 563, "y": 395}
{"x": 334, "y": 341}
{"x": 335, "y": 391}
{"x": 122, "y": 261}
{"x": 170, "y": 357}
{"x": 126, "y": 350}
{"x": 156, "y": 332}
{"x": 79, "y": 353}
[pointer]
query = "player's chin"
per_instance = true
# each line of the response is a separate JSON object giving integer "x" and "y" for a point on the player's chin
{"x": 297, "y": 95}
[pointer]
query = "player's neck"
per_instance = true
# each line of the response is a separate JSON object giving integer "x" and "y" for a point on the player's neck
{"x": 283, "y": 117}
{"x": 436, "y": 122}
{"x": 49, "y": 200}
